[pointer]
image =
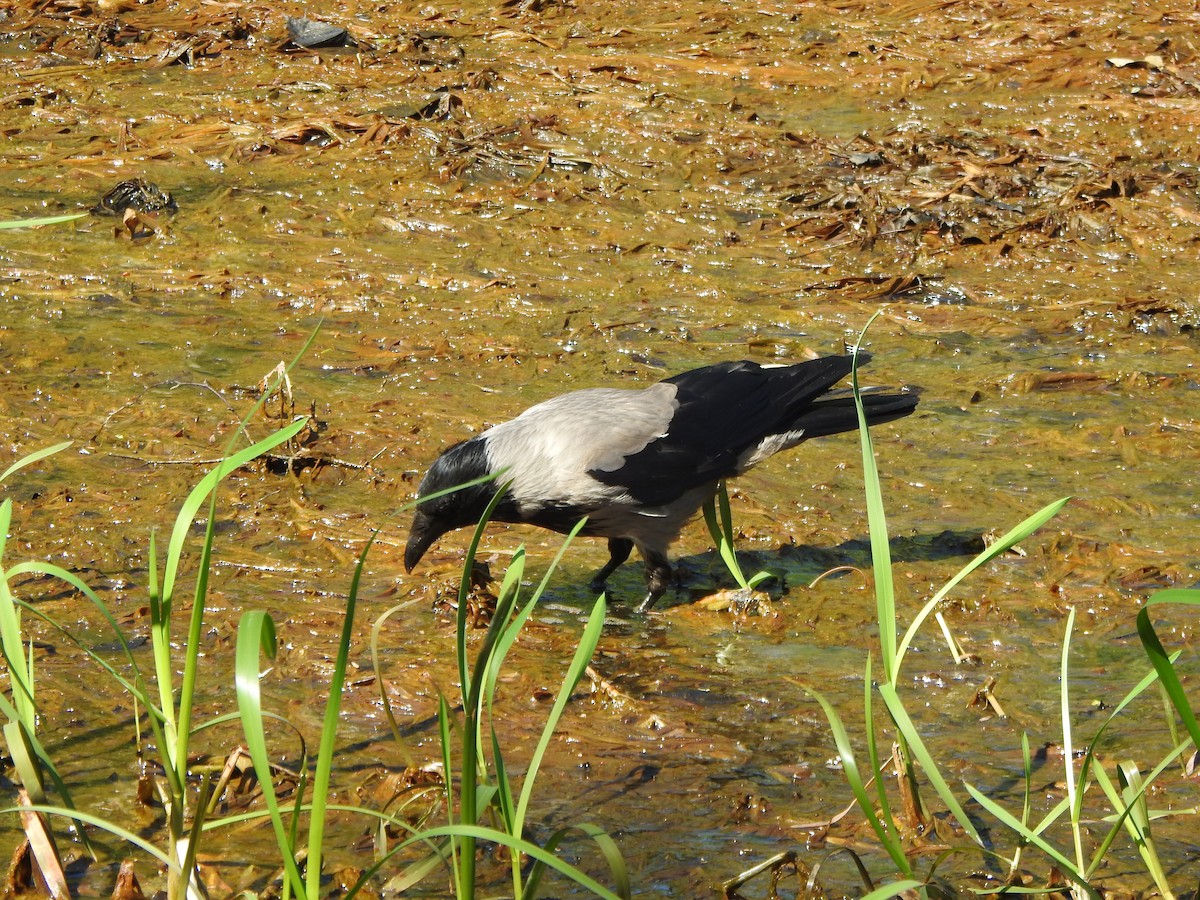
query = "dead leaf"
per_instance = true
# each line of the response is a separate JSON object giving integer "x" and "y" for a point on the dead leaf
{"x": 1153, "y": 61}
{"x": 127, "y": 886}
{"x": 48, "y": 863}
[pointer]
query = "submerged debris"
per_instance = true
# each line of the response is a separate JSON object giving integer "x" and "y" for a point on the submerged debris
{"x": 138, "y": 195}
{"x": 961, "y": 190}
{"x": 501, "y": 199}
{"x": 435, "y": 49}
{"x": 127, "y": 886}
{"x": 739, "y": 601}
{"x": 311, "y": 35}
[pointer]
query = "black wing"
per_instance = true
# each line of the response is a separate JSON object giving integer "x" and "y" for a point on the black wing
{"x": 724, "y": 410}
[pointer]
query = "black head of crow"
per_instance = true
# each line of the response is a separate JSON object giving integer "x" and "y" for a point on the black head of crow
{"x": 640, "y": 463}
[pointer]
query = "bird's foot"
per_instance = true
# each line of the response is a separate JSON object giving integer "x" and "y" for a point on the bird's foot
{"x": 658, "y": 578}
{"x": 648, "y": 603}
{"x": 618, "y": 551}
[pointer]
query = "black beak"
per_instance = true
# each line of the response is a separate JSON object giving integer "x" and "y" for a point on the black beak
{"x": 420, "y": 539}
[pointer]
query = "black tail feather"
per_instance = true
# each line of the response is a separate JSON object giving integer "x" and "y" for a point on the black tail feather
{"x": 836, "y": 414}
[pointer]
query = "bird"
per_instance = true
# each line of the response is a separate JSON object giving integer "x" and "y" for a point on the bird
{"x": 640, "y": 463}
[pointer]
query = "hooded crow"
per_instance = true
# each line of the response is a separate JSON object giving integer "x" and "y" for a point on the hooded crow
{"x": 640, "y": 463}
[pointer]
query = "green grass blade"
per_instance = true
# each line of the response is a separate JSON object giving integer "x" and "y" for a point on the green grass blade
{"x": 177, "y": 754}
{"x": 504, "y": 793}
{"x": 887, "y": 836}
{"x": 328, "y": 745}
{"x": 721, "y": 530}
{"x": 1055, "y": 813}
{"x": 191, "y": 647}
{"x": 1188, "y": 596}
{"x": 1074, "y": 790}
{"x": 1126, "y": 816}
{"x": 473, "y": 762}
{"x": 28, "y": 754}
{"x": 441, "y": 842}
{"x": 502, "y": 618}
{"x": 43, "y": 220}
{"x": 232, "y": 462}
{"x": 1033, "y": 837}
{"x": 411, "y": 876}
{"x": 728, "y": 552}
{"x": 256, "y": 631}
{"x": 48, "y": 768}
{"x": 881, "y": 552}
{"x": 1122, "y": 810}
{"x": 608, "y": 849}
{"x": 474, "y": 765}
{"x": 138, "y": 692}
{"x": 509, "y": 636}
{"x": 917, "y": 747}
{"x": 199, "y": 494}
{"x": 1134, "y": 814}
{"x": 1088, "y": 762}
{"x": 161, "y": 600}
{"x": 25, "y": 759}
{"x": 70, "y": 578}
{"x": 35, "y": 456}
{"x": 33, "y": 763}
{"x": 1026, "y": 802}
{"x": 758, "y": 578}
{"x": 381, "y": 683}
{"x": 517, "y": 845}
{"x": 1136, "y": 691}
{"x": 895, "y": 889}
{"x": 445, "y": 732}
{"x": 12, "y": 646}
{"x": 160, "y": 648}
{"x": 297, "y": 809}
{"x": 464, "y": 591}
{"x": 1162, "y": 664}
{"x": 710, "y": 520}
{"x": 30, "y": 665}
{"x": 136, "y": 689}
{"x": 1009, "y": 540}
{"x": 191, "y": 844}
{"x": 880, "y": 782}
{"x": 444, "y": 739}
{"x": 115, "y": 830}
{"x": 583, "y": 655}
{"x": 510, "y": 627}
{"x": 8, "y": 709}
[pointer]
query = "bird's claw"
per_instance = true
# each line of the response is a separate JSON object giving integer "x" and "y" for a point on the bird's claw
{"x": 648, "y": 603}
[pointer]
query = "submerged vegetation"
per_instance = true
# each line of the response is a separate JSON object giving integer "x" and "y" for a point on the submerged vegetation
{"x": 493, "y": 202}
{"x": 474, "y": 781}
{"x": 915, "y": 769}
{"x": 449, "y": 808}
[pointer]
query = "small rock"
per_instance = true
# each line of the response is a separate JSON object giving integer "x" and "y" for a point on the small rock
{"x": 310, "y": 35}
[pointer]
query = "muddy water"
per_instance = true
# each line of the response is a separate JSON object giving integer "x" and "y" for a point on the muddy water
{"x": 484, "y": 205}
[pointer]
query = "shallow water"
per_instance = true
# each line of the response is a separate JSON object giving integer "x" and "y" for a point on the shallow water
{"x": 614, "y": 194}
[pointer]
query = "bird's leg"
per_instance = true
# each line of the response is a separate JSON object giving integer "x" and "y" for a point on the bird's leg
{"x": 618, "y": 551}
{"x": 658, "y": 577}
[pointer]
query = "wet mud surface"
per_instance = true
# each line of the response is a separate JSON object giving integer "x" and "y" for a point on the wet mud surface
{"x": 484, "y": 205}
